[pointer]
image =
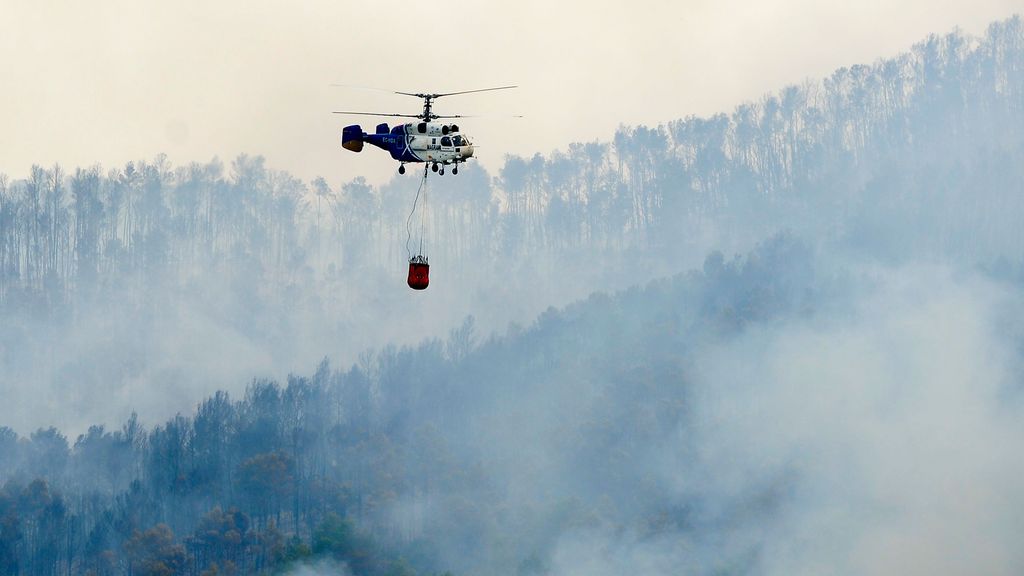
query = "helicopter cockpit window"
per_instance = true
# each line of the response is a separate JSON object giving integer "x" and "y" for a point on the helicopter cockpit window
{"x": 446, "y": 141}
{"x": 422, "y": 128}
{"x": 457, "y": 140}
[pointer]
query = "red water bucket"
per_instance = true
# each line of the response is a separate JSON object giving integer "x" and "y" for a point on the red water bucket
{"x": 419, "y": 275}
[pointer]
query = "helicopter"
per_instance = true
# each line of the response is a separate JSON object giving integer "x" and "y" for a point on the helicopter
{"x": 438, "y": 143}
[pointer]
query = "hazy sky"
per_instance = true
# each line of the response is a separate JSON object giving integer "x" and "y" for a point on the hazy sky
{"x": 114, "y": 80}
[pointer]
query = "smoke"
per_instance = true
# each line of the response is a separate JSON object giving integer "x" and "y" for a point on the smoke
{"x": 601, "y": 552}
{"x": 878, "y": 438}
{"x": 889, "y": 432}
{"x": 321, "y": 568}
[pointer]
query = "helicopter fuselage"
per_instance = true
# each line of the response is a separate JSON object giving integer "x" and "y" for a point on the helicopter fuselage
{"x": 433, "y": 142}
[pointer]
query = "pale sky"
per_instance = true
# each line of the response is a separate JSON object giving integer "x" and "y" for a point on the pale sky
{"x": 109, "y": 81}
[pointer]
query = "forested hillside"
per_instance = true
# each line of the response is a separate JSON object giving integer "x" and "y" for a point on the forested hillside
{"x": 657, "y": 405}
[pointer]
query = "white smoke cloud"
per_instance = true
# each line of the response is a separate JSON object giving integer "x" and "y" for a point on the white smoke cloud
{"x": 605, "y": 552}
{"x": 321, "y": 568}
{"x": 891, "y": 431}
{"x": 881, "y": 438}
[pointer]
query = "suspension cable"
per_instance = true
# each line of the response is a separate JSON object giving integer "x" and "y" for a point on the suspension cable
{"x": 408, "y": 221}
{"x": 423, "y": 214}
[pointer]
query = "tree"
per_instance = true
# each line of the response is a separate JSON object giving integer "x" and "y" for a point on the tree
{"x": 264, "y": 482}
{"x": 221, "y": 539}
{"x": 154, "y": 553}
{"x": 11, "y": 534}
{"x": 47, "y": 454}
{"x": 323, "y": 193}
{"x": 85, "y": 194}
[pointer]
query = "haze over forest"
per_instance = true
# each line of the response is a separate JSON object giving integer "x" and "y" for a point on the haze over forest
{"x": 781, "y": 339}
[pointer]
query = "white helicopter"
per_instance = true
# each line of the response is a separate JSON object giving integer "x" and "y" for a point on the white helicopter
{"x": 437, "y": 143}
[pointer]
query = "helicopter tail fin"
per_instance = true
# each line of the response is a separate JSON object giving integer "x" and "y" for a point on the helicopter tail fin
{"x": 352, "y": 138}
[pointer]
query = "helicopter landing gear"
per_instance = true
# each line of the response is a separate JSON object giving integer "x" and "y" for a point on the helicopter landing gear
{"x": 401, "y": 168}
{"x": 441, "y": 171}
{"x": 434, "y": 166}
{"x": 455, "y": 170}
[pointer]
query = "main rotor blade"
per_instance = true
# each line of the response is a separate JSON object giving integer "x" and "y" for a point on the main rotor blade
{"x": 379, "y": 114}
{"x": 479, "y": 116}
{"x": 454, "y": 93}
{"x": 471, "y": 91}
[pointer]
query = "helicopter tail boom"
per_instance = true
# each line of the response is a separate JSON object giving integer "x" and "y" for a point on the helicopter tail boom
{"x": 352, "y": 138}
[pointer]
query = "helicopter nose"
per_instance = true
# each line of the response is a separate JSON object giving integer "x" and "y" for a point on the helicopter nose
{"x": 467, "y": 151}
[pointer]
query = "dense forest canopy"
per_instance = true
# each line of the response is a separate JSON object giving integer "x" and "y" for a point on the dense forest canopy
{"x": 658, "y": 405}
